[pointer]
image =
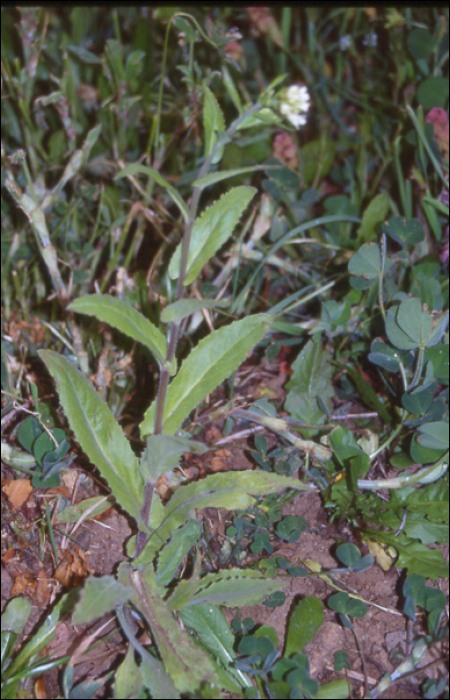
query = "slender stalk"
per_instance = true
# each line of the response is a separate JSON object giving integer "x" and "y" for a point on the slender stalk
{"x": 419, "y": 366}
{"x": 175, "y": 326}
{"x": 380, "y": 277}
{"x": 402, "y": 372}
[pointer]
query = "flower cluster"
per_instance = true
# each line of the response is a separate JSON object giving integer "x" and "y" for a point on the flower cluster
{"x": 295, "y": 104}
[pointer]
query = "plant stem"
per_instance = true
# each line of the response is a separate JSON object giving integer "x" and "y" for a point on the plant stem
{"x": 175, "y": 325}
{"x": 380, "y": 277}
{"x": 419, "y": 367}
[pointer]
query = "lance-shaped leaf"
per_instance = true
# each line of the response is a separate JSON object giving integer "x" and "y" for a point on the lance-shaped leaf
{"x": 163, "y": 453}
{"x": 189, "y": 666}
{"x": 212, "y": 361}
{"x": 185, "y": 307}
{"x": 36, "y": 217}
{"x": 212, "y": 178}
{"x": 137, "y": 168}
{"x": 229, "y": 490}
{"x": 211, "y": 230}
{"x": 91, "y": 506}
{"x": 213, "y": 121}
{"x": 213, "y": 630}
{"x": 77, "y": 160}
{"x": 235, "y": 587}
{"x": 15, "y": 616}
{"x": 99, "y": 596}
{"x": 126, "y": 319}
{"x": 44, "y": 635}
{"x": 128, "y": 677}
{"x": 373, "y": 217}
{"x": 171, "y": 556}
{"x": 305, "y": 621}
{"x": 98, "y": 433}
{"x": 311, "y": 380}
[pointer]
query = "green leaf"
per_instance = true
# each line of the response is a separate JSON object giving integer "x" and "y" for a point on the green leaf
{"x": 78, "y": 159}
{"x": 173, "y": 553}
{"x": 210, "y": 624}
{"x": 212, "y": 361}
{"x": 404, "y": 231}
{"x": 356, "y": 608}
{"x": 428, "y": 512}
{"x": 384, "y": 355}
{"x": 439, "y": 356}
{"x": 128, "y": 678}
{"x": 137, "y": 168}
{"x": 338, "y": 602}
{"x": 214, "y": 123}
{"x": 433, "y": 92}
{"x": 15, "y": 615}
{"x": 424, "y": 455}
{"x": 291, "y": 527}
{"x": 44, "y": 444}
{"x": 186, "y": 588}
{"x": 185, "y": 307}
{"x": 419, "y": 401}
{"x": 304, "y": 622}
{"x": 231, "y": 88}
{"x": 188, "y": 665}
{"x": 420, "y": 559}
{"x": 211, "y": 230}
{"x": 235, "y": 587}
{"x": 312, "y": 378}
{"x": 36, "y": 217}
{"x": 29, "y": 430}
{"x": 228, "y": 490}
{"x": 339, "y": 204}
{"x": 421, "y": 43}
{"x": 151, "y": 672}
{"x": 99, "y": 596}
{"x": 126, "y": 319}
{"x": 368, "y": 395}
{"x": 348, "y": 554}
{"x": 212, "y": 178}
{"x": 427, "y": 289}
{"x": 73, "y": 513}
{"x": 184, "y": 26}
{"x": 335, "y": 690}
{"x": 84, "y": 55}
{"x": 265, "y": 116}
{"x": 434, "y": 435}
{"x": 409, "y": 326}
{"x": 366, "y": 262}
{"x": 158, "y": 682}
{"x": 98, "y": 433}
{"x": 17, "y": 458}
{"x": 317, "y": 158}
{"x": 163, "y": 453}
{"x": 45, "y": 633}
{"x": 373, "y": 217}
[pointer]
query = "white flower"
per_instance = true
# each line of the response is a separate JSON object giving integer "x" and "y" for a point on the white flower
{"x": 296, "y": 120}
{"x": 295, "y": 104}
